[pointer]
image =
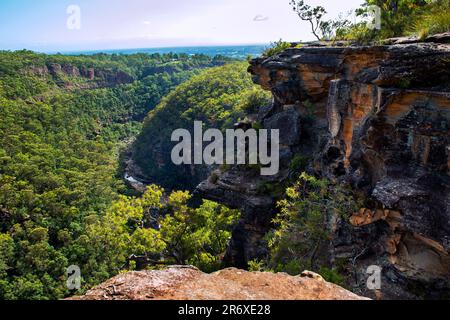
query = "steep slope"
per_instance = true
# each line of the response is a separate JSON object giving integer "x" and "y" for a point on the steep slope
{"x": 218, "y": 97}
{"x": 188, "y": 283}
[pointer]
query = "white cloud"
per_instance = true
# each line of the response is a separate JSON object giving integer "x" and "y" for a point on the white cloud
{"x": 260, "y": 17}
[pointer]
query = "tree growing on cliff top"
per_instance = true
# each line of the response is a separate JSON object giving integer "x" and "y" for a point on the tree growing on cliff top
{"x": 397, "y": 18}
{"x": 313, "y": 15}
{"x": 320, "y": 28}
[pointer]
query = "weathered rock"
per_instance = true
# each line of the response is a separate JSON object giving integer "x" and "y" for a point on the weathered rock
{"x": 188, "y": 283}
{"x": 377, "y": 118}
{"x": 435, "y": 38}
{"x": 439, "y": 38}
{"x": 290, "y": 120}
{"x": 63, "y": 74}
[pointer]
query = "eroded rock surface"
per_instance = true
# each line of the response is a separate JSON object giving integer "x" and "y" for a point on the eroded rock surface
{"x": 65, "y": 76}
{"x": 188, "y": 283}
{"x": 376, "y": 118}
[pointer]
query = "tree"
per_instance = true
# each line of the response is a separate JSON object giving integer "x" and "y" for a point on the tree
{"x": 313, "y": 15}
{"x": 302, "y": 230}
{"x": 397, "y": 17}
{"x": 185, "y": 235}
{"x": 196, "y": 236}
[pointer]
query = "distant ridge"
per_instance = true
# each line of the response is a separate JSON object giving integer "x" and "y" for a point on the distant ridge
{"x": 238, "y": 52}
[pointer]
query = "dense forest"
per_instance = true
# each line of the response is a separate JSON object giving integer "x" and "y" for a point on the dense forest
{"x": 64, "y": 120}
{"x": 218, "y": 97}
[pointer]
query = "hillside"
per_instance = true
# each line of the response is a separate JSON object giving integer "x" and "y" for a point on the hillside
{"x": 63, "y": 120}
{"x": 218, "y": 97}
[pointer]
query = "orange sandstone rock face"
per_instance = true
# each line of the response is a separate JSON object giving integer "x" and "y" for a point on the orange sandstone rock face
{"x": 366, "y": 216}
{"x": 188, "y": 283}
{"x": 377, "y": 119}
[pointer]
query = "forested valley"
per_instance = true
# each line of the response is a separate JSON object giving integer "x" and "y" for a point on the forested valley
{"x": 63, "y": 200}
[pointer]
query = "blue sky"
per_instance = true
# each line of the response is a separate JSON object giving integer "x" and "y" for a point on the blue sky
{"x": 112, "y": 24}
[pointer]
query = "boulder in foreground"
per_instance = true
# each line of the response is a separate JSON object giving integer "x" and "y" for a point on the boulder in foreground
{"x": 188, "y": 283}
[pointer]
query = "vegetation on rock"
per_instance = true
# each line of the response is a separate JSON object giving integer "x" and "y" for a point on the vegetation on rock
{"x": 398, "y": 18}
{"x": 301, "y": 234}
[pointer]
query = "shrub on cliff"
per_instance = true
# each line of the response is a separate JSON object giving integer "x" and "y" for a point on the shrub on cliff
{"x": 302, "y": 234}
{"x": 395, "y": 20}
{"x": 434, "y": 20}
{"x": 275, "y": 48}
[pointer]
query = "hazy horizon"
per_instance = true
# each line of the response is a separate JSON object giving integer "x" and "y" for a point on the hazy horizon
{"x": 135, "y": 24}
{"x": 81, "y": 51}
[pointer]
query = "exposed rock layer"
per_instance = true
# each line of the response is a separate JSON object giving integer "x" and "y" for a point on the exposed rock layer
{"x": 377, "y": 118}
{"x": 65, "y": 75}
{"x": 188, "y": 283}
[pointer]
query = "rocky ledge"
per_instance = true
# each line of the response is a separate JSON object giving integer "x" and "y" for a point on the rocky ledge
{"x": 188, "y": 283}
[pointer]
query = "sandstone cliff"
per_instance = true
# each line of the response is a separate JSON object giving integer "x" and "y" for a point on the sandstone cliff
{"x": 376, "y": 118}
{"x": 73, "y": 77}
{"x": 188, "y": 283}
